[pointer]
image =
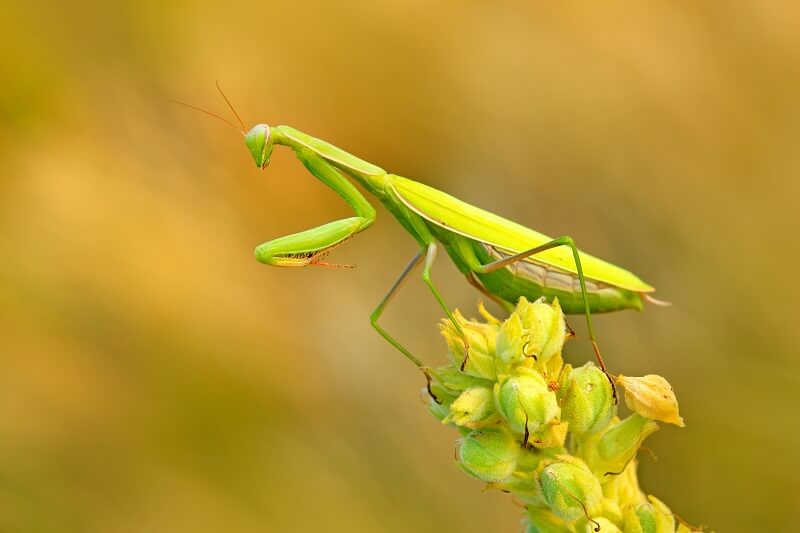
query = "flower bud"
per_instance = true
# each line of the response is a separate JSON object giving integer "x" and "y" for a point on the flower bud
{"x": 455, "y": 380}
{"x": 481, "y": 339}
{"x": 538, "y": 520}
{"x": 438, "y": 410}
{"x": 552, "y": 435}
{"x": 652, "y": 397}
{"x": 473, "y": 409}
{"x": 544, "y": 327}
{"x": 588, "y": 401}
{"x": 521, "y": 484}
{"x": 611, "y": 509}
{"x": 638, "y": 519}
{"x": 525, "y": 401}
{"x": 665, "y": 520}
{"x": 619, "y": 444}
{"x": 601, "y": 525}
{"x": 510, "y": 341}
{"x": 623, "y": 488}
{"x": 653, "y": 517}
{"x": 439, "y": 394}
{"x": 570, "y": 489}
{"x": 490, "y": 455}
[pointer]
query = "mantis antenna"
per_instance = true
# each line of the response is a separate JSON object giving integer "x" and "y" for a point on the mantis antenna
{"x": 228, "y": 122}
{"x": 230, "y": 105}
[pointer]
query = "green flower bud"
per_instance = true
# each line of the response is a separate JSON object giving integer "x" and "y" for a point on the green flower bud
{"x": 509, "y": 342}
{"x": 545, "y": 328}
{"x": 665, "y": 520}
{"x": 481, "y": 339}
{"x": 570, "y": 489}
{"x": 652, "y": 397}
{"x": 456, "y": 381}
{"x": 439, "y": 410}
{"x": 525, "y": 401}
{"x": 446, "y": 384}
{"x": 619, "y": 444}
{"x": 490, "y": 455}
{"x": 439, "y": 394}
{"x": 587, "y": 400}
{"x": 623, "y": 489}
{"x": 637, "y": 521}
{"x": 653, "y": 517}
{"x": 553, "y": 435}
{"x": 602, "y": 525}
{"x": 473, "y": 409}
{"x": 611, "y": 509}
{"x": 521, "y": 484}
{"x": 538, "y": 520}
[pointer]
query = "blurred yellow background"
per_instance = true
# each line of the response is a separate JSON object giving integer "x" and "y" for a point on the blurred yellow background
{"x": 155, "y": 377}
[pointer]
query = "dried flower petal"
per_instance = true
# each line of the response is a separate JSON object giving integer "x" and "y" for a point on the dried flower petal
{"x": 652, "y": 397}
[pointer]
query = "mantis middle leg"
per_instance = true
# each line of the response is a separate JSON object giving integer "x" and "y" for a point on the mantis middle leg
{"x": 376, "y": 314}
{"x": 429, "y": 257}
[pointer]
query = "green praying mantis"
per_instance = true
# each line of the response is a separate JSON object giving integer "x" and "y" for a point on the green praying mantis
{"x": 502, "y": 259}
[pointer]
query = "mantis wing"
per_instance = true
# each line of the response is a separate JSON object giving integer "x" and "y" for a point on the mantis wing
{"x": 452, "y": 214}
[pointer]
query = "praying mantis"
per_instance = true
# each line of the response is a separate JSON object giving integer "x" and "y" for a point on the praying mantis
{"x": 502, "y": 259}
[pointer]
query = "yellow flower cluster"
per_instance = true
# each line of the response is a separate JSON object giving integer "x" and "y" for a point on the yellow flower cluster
{"x": 546, "y": 432}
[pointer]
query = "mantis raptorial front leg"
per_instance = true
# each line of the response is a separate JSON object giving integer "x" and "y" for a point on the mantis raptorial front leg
{"x": 569, "y": 242}
{"x": 309, "y": 247}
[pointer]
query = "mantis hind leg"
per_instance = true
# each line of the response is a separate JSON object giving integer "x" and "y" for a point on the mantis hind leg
{"x": 570, "y": 243}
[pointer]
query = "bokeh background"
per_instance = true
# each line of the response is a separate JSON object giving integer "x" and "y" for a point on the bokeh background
{"x": 155, "y": 377}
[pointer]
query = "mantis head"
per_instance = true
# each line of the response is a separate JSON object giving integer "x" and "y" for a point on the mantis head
{"x": 259, "y": 141}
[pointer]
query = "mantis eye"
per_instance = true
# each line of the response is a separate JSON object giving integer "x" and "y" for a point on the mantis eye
{"x": 259, "y": 142}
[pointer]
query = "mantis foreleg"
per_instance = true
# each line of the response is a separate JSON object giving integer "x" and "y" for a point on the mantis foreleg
{"x": 310, "y": 246}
